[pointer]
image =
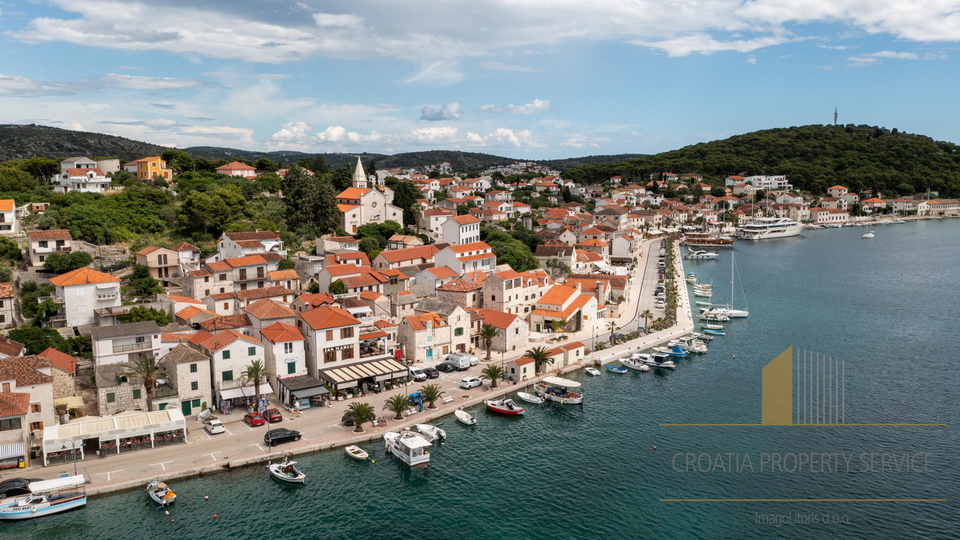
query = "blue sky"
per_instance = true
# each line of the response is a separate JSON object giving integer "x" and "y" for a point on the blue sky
{"x": 521, "y": 78}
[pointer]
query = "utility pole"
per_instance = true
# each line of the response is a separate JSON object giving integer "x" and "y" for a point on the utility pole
{"x": 834, "y": 116}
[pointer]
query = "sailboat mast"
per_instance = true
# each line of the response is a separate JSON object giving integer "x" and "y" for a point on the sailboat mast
{"x": 731, "y": 279}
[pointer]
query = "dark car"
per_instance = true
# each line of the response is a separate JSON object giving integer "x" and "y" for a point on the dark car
{"x": 446, "y": 368}
{"x": 254, "y": 419}
{"x": 431, "y": 373}
{"x": 13, "y": 487}
{"x": 273, "y": 416}
{"x": 280, "y": 435}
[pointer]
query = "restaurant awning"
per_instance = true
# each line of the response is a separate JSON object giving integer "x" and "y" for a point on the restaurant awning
{"x": 346, "y": 376}
{"x": 72, "y": 402}
{"x": 247, "y": 391}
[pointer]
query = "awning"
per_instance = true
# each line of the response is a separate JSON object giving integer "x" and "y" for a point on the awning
{"x": 247, "y": 391}
{"x": 72, "y": 402}
{"x": 373, "y": 335}
{"x": 654, "y": 231}
{"x": 310, "y": 392}
{"x": 346, "y": 376}
{"x": 14, "y": 450}
{"x": 107, "y": 286}
{"x": 359, "y": 310}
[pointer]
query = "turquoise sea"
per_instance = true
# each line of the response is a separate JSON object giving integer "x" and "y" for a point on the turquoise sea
{"x": 887, "y": 307}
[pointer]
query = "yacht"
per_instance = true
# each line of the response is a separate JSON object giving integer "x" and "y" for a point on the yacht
{"x": 700, "y": 255}
{"x": 766, "y": 228}
{"x": 867, "y": 235}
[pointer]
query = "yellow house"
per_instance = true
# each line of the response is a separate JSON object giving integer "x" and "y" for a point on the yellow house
{"x": 151, "y": 167}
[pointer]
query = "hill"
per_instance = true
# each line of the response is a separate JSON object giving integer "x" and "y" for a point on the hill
{"x": 812, "y": 157}
{"x": 27, "y": 141}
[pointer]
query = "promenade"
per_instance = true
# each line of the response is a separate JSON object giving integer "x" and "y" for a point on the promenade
{"x": 320, "y": 427}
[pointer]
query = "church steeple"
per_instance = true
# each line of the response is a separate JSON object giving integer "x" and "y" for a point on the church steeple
{"x": 359, "y": 177}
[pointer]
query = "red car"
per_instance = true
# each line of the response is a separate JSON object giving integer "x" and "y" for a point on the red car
{"x": 273, "y": 416}
{"x": 254, "y": 419}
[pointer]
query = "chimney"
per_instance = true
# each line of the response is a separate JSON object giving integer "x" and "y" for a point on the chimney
{"x": 578, "y": 288}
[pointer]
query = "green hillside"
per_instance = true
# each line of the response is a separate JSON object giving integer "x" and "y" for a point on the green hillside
{"x": 27, "y": 141}
{"x": 812, "y": 157}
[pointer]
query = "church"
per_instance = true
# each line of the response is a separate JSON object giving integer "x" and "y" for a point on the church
{"x": 360, "y": 204}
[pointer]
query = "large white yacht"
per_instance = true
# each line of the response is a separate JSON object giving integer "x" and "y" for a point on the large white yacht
{"x": 766, "y": 228}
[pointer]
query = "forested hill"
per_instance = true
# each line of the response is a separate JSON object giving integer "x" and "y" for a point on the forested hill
{"x": 27, "y": 141}
{"x": 812, "y": 157}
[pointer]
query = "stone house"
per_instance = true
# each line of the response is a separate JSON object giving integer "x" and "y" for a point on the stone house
{"x": 188, "y": 371}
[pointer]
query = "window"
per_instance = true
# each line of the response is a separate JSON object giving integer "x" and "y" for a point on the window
{"x": 329, "y": 335}
{"x": 291, "y": 368}
{"x": 330, "y": 356}
{"x": 347, "y": 354}
{"x": 287, "y": 348}
{"x": 194, "y": 385}
{"x": 193, "y": 368}
{"x": 223, "y": 277}
{"x": 1, "y": 303}
{"x": 493, "y": 297}
{"x": 226, "y": 355}
{"x": 136, "y": 394}
{"x": 34, "y": 426}
{"x": 35, "y": 408}
{"x": 458, "y": 331}
{"x": 10, "y": 424}
{"x": 516, "y": 331}
{"x": 251, "y": 351}
{"x": 346, "y": 333}
{"x": 195, "y": 403}
{"x": 111, "y": 397}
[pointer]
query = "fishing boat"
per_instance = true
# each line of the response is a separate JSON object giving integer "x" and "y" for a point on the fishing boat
{"x": 503, "y": 406}
{"x": 287, "y": 471}
{"x": 592, "y": 371}
{"x": 698, "y": 335}
{"x": 46, "y": 497}
{"x": 867, "y": 235}
{"x": 408, "y": 446}
{"x": 464, "y": 417}
{"x": 356, "y": 452}
{"x": 673, "y": 350}
{"x": 530, "y": 398}
{"x": 700, "y": 255}
{"x": 690, "y": 344}
{"x": 661, "y": 360}
{"x": 712, "y": 332}
{"x": 160, "y": 493}
{"x": 635, "y": 363}
{"x": 431, "y": 433}
{"x": 560, "y": 390}
{"x": 704, "y": 293}
{"x": 615, "y": 369}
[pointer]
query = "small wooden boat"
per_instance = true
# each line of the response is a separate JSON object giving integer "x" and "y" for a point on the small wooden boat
{"x": 286, "y": 471}
{"x": 530, "y": 398}
{"x": 592, "y": 371}
{"x": 464, "y": 417}
{"x": 431, "y": 433}
{"x": 615, "y": 369}
{"x": 712, "y": 332}
{"x": 356, "y": 452}
{"x": 503, "y": 406}
{"x": 161, "y": 493}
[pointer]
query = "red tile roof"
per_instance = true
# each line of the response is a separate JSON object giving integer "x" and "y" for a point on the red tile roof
{"x": 56, "y": 234}
{"x": 265, "y": 292}
{"x": 497, "y": 318}
{"x": 59, "y": 359}
{"x": 253, "y": 235}
{"x": 14, "y": 404}
{"x": 235, "y": 166}
{"x": 279, "y": 332}
{"x": 225, "y": 322}
{"x": 269, "y": 309}
{"x": 6, "y": 290}
{"x": 184, "y": 246}
{"x": 82, "y": 276}
{"x": 325, "y": 317}
{"x": 400, "y": 255}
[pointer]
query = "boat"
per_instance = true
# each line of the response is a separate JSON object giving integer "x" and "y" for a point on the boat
{"x": 464, "y": 417}
{"x": 701, "y": 255}
{"x": 673, "y": 350}
{"x": 704, "y": 303}
{"x": 691, "y": 278}
{"x": 661, "y": 360}
{"x": 705, "y": 293}
{"x": 615, "y": 369}
{"x": 161, "y": 493}
{"x": 530, "y": 398}
{"x": 711, "y": 315}
{"x": 698, "y": 335}
{"x": 560, "y": 390}
{"x": 287, "y": 471}
{"x": 713, "y": 326}
{"x": 408, "y": 446}
{"x": 712, "y": 332}
{"x": 832, "y": 226}
{"x": 592, "y": 371}
{"x": 690, "y": 344}
{"x": 728, "y": 310}
{"x": 868, "y": 234}
{"x": 356, "y": 452}
{"x": 708, "y": 240}
{"x": 46, "y": 497}
{"x": 767, "y": 228}
{"x": 503, "y": 406}
{"x": 431, "y": 433}
{"x": 635, "y": 363}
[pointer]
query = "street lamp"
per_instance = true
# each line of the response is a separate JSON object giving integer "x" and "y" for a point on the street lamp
{"x": 73, "y": 447}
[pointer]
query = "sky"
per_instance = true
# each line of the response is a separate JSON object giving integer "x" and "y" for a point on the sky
{"x": 532, "y": 79}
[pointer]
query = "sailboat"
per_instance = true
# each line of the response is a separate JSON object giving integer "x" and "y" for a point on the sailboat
{"x": 728, "y": 309}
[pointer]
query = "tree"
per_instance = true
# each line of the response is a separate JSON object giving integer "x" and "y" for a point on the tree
{"x": 257, "y": 373}
{"x": 337, "y": 287}
{"x": 36, "y": 339}
{"x": 540, "y": 357}
{"x": 646, "y": 320}
{"x": 397, "y": 404}
{"x": 142, "y": 283}
{"x": 266, "y": 164}
{"x": 362, "y": 412}
{"x": 613, "y": 328}
{"x": 143, "y": 313}
{"x": 6, "y": 275}
{"x": 370, "y": 246}
{"x": 417, "y": 210}
{"x": 146, "y": 368}
{"x": 314, "y": 288}
{"x": 9, "y": 250}
{"x": 494, "y": 373}
{"x": 59, "y": 263}
{"x": 488, "y": 333}
{"x": 310, "y": 200}
{"x": 203, "y": 210}
{"x": 431, "y": 394}
{"x": 405, "y": 195}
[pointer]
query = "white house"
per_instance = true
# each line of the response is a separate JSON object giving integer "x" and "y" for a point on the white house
{"x": 461, "y": 230}
{"x": 120, "y": 343}
{"x": 467, "y": 258}
{"x": 285, "y": 354}
{"x": 80, "y": 292}
{"x": 230, "y": 354}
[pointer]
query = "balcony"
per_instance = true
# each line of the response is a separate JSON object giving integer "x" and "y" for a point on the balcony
{"x": 146, "y": 345}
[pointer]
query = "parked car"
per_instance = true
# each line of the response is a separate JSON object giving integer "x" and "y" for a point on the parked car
{"x": 214, "y": 426}
{"x": 431, "y": 373}
{"x": 470, "y": 382}
{"x": 254, "y": 419}
{"x": 273, "y": 416}
{"x": 659, "y": 304}
{"x": 417, "y": 374}
{"x": 12, "y": 487}
{"x": 274, "y": 437}
{"x": 446, "y": 368}
{"x": 347, "y": 418}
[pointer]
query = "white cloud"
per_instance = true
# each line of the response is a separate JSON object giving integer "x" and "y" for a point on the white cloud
{"x": 752, "y": 60}
{"x": 439, "y": 73}
{"x": 504, "y": 138}
{"x": 538, "y": 106}
{"x": 490, "y": 64}
{"x": 870, "y": 59}
{"x": 433, "y": 134}
{"x": 447, "y": 111}
{"x": 15, "y": 86}
{"x": 134, "y": 82}
{"x": 330, "y": 20}
{"x": 705, "y": 44}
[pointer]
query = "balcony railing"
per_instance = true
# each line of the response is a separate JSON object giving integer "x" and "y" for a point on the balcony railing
{"x": 132, "y": 347}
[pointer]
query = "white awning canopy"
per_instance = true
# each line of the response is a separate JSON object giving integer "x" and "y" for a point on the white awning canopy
{"x": 57, "y": 483}
{"x": 14, "y": 450}
{"x": 559, "y": 381}
{"x": 246, "y": 391}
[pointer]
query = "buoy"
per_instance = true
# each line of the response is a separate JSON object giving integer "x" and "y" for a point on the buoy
{"x": 734, "y": 356}
{"x": 206, "y": 497}
{"x": 214, "y": 516}
{"x": 171, "y": 521}
{"x": 654, "y": 447}
{"x": 166, "y": 512}
{"x": 372, "y": 461}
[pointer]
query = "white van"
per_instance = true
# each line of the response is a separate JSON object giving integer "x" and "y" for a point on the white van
{"x": 417, "y": 374}
{"x": 462, "y": 361}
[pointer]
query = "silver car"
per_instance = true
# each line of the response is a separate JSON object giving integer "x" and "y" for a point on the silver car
{"x": 470, "y": 382}
{"x": 213, "y": 426}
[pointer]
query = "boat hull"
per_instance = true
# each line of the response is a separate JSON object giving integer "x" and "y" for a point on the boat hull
{"x": 570, "y": 398}
{"x": 530, "y": 398}
{"x": 465, "y": 418}
{"x": 503, "y": 408}
{"x": 12, "y": 512}
{"x": 357, "y": 453}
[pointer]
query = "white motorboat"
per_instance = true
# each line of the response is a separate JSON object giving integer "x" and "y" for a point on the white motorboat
{"x": 713, "y": 326}
{"x": 356, "y": 452}
{"x": 767, "y": 228}
{"x": 704, "y": 293}
{"x": 867, "y": 235}
{"x": 530, "y": 398}
{"x": 698, "y": 335}
{"x": 504, "y": 406}
{"x": 431, "y": 433}
{"x": 46, "y": 497}
{"x": 700, "y": 255}
{"x": 408, "y": 446}
{"x": 287, "y": 471}
{"x": 691, "y": 278}
{"x": 592, "y": 371}
{"x": 708, "y": 314}
{"x": 705, "y": 303}
{"x": 662, "y": 360}
{"x": 635, "y": 363}
{"x": 161, "y": 493}
{"x": 464, "y": 417}
{"x": 560, "y": 390}
{"x": 690, "y": 344}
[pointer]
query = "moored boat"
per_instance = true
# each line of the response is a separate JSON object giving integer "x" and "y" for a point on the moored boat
{"x": 46, "y": 497}
{"x": 635, "y": 363}
{"x": 287, "y": 471}
{"x": 673, "y": 350}
{"x": 431, "y": 433}
{"x": 767, "y": 228}
{"x": 503, "y": 406}
{"x": 560, "y": 390}
{"x": 592, "y": 371}
{"x": 615, "y": 369}
{"x": 661, "y": 360}
{"x": 698, "y": 335}
{"x": 464, "y": 417}
{"x": 708, "y": 240}
{"x": 161, "y": 493}
{"x": 867, "y": 235}
{"x": 356, "y": 452}
{"x": 408, "y": 446}
{"x": 691, "y": 278}
{"x": 530, "y": 398}
{"x": 700, "y": 255}
{"x": 712, "y": 332}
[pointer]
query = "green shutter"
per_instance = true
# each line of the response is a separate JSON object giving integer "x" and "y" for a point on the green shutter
{"x": 193, "y": 368}
{"x": 251, "y": 351}
{"x": 111, "y": 397}
{"x": 136, "y": 393}
{"x": 228, "y": 375}
{"x": 291, "y": 367}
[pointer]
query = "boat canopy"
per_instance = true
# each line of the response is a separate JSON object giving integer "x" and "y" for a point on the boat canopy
{"x": 415, "y": 441}
{"x": 57, "y": 483}
{"x": 559, "y": 381}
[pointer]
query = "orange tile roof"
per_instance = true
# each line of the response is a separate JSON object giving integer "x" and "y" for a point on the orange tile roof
{"x": 184, "y": 246}
{"x": 56, "y": 234}
{"x": 344, "y": 208}
{"x": 523, "y": 361}
{"x": 193, "y": 311}
{"x": 253, "y": 235}
{"x": 269, "y": 309}
{"x": 215, "y": 342}
{"x": 14, "y": 403}
{"x": 419, "y": 322}
{"x": 465, "y": 220}
{"x": 400, "y": 255}
{"x": 184, "y": 299}
{"x": 370, "y": 295}
{"x": 476, "y": 257}
{"x": 265, "y": 292}
{"x": 557, "y": 295}
{"x": 325, "y": 317}
{"x": 277, "y": 275}
{"x": 6, "y": 290}
{"x": 473, "y": 246}
{"x": 235, "y": 166}
{"x": 279, "y": 332}
{"x": 363, "y": 280}
{"x": 497, "y": 318}
{"x": 578, "y": 302}
{"x": 6, "y": 205}
{"x": 459, "y": 285}
{"x": 353, "y": 193}
{"x": 82, "y": 276}
{"x": 25, "y": 370}
{"x": 383, "y": 323}
{"x": 60, "y": 359}
{"x": 338, "y": 258}
{"x": 225, "y": 322}
{"x": 316, "y": 299}
{"x": 249, "y": 260}
{"x": 373, "y": 335}
{"x": 442, "y": 272}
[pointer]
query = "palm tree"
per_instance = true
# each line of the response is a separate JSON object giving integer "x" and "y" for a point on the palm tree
{"x": 492, "y": 372}
{"x": 540, "y": 357}
{"x": 646, "y": 320}
{"x": 487, "y": 334}
{"x": 612, "y": 325}
{"x": 362, "y": 412}
{"x": 146, "y": 368}
{"x": 397, "y": 404}
{"x": 431, "y": 394}
{"x": 417, "y": 209}
{"x": 256, "y": 372}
